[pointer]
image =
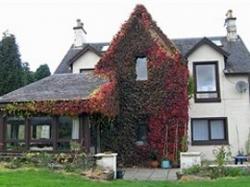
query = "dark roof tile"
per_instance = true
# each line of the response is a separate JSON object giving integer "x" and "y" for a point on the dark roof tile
{"x": 64, "y": 66}
{"x": 238, "y": 60}
{"x": 66, "y": 86}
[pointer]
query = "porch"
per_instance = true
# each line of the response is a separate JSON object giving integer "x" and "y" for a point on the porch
{"x": 46, "y": 133}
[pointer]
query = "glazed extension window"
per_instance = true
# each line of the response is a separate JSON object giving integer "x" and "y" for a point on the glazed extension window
{"x": 209, "y": 131}
{"x": 15, "y": 134}
{"x": 206, "y": 80}
{"x": 68, "y": 130}
{"x": 40, "y": 134}
{"x": 141, "y": 68}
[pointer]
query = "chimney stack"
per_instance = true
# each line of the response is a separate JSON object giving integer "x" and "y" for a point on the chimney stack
{"x": 80, "y": 33}
{"x": 230, "y": 23}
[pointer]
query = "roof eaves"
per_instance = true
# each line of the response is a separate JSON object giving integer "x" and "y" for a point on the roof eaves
{"x": 203, "y": 41}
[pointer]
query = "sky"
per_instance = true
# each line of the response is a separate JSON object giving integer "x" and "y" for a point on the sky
{"x": 44, "y": 28}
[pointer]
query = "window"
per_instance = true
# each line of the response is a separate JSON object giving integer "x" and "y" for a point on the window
{"x": 105, "y": 47}
{"x": 141, "y": 68}
{"x": 86, "y": 70}
{"x": 15, "y": 134}
{"x": 68, "y": 129}
{"x": 15, "y": 129}
{"x": 142, "y": 130}
{"x": 40, "y": 128}
{"x": 217, "y": 42}
{"x": 41, "y": 134}
{"x": 209, "y": 131}
{"x": 206, "y": 82}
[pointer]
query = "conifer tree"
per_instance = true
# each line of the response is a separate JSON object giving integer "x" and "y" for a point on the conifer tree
{"x": 10, "y": 64}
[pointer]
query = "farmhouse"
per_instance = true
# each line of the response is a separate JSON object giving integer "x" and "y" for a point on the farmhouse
{"x": 131, "y": 96}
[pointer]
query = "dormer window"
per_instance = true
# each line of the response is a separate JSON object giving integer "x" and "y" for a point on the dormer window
{"x": 141, "y": 68}
{"x": 86, "y": 70}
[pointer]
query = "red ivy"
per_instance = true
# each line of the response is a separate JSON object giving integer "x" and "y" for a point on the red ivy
{"x": 167, "y": 120}
{"x": 167, "y": 117}
{"x": 102, "y": 101}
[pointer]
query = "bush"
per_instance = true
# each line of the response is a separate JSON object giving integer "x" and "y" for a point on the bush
{"x": 222, "y": 155}
{"x": 233, "y": 172}
{"x": 14, "y": 163}
{"x": 195, "y": 169}
{"x": 247, "y": 144}
{"x": 38, "y": 159}
{"x": 75, "y": 160}
{"x": 70, "y": 162}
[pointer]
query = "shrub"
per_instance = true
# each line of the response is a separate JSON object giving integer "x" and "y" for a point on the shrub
{"x": 222, "y": 155}
{"x": 195, "y": 169}
{"x": 247, "y": 144}
{"x": 14, "y": 163}
{"x": 41, "y": 159}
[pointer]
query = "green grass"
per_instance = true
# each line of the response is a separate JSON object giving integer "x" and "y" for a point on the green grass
{"x": 45, "y": 178}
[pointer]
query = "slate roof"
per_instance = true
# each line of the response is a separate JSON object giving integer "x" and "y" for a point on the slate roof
{"x": 64, "y": 66}
{"x": 238, "y": 60}
{"x": 65, "y": 86}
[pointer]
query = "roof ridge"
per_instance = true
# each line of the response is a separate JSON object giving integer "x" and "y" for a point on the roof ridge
{"x": 181, "y": 38}
{"x": 192, "y": 38}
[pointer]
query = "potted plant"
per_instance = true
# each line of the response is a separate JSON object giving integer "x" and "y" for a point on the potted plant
{"x": 165, "y": 163}
{"x": 153, "y": 162}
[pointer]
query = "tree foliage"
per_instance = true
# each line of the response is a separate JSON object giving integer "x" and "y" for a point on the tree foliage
{"x": 42, "y": 72}
{"x": 13, "y": 72}
{"x": 28, "y": 75}
{"x": 10, "y": 64}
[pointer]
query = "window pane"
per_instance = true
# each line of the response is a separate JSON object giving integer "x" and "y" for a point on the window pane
{"x": 142, "y": 133}
{"x": 86, "y": 70}
{"x": 200, "y": 130}
{"x": 142, "y": 130}
{"x": 217, "y": 129}
{"x": 68, "y": 128}
{"x": 15, "y": 128}
{"x": 75, "y": 129}
{"x": 141, "y": 68}
{"x": 206, "y": 78}
{"x": 65, "y": 127}
{"x": 41, "y": 128}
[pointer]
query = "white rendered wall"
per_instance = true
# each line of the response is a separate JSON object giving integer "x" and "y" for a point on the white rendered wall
{"x": 233, "y": 105}
{"x": 86, "y": 61}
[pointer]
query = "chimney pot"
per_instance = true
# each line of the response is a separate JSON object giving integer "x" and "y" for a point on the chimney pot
{"x": 230, "y": 23}
{"x": 80, "y": 34}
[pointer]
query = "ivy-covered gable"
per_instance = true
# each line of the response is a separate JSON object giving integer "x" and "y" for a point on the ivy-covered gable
{"x": 138, "y": 29}
{"x": 158, "y": 99}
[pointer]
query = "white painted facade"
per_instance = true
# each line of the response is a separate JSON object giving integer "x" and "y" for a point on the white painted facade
{"x": 234, "y": 105}
{"x": 87, "y": 61}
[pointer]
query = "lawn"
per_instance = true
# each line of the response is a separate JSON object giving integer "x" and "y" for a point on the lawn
{"x": 45, "y": 178}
